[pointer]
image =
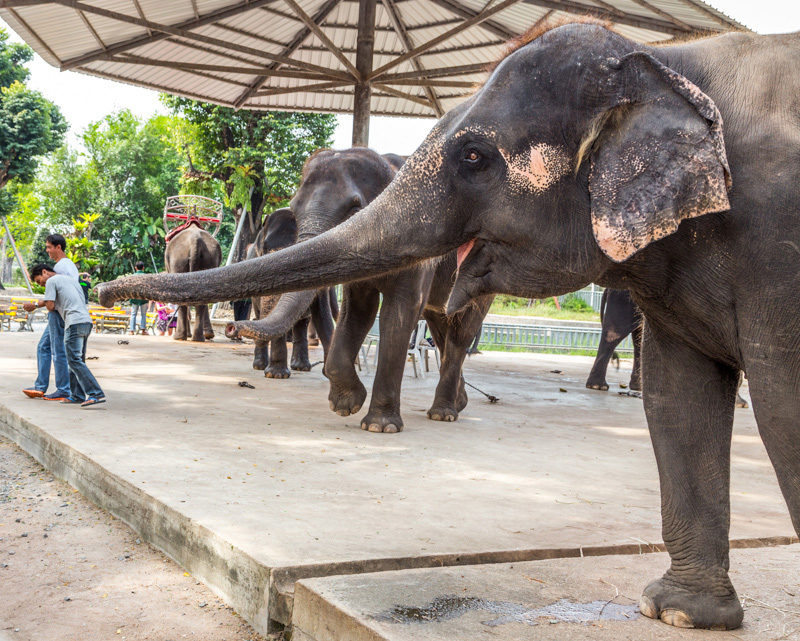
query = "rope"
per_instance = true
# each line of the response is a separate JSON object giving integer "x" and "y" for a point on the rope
{"x": 492, "y": 399}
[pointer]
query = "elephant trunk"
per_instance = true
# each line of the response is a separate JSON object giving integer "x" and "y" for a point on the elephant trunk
{"x": 290, "y": 309}
{"x": 407, "y": 223}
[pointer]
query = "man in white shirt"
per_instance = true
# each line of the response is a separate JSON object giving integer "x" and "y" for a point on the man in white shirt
{"x": 63, "y": 294}
{"x": 51, "y": 345}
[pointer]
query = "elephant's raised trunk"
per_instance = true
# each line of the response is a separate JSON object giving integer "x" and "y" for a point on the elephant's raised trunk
{"x": 396, "y": 230}
{"x": 290, "y": 309}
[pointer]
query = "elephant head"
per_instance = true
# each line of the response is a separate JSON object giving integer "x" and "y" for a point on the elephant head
{"x": 579, "y": 151}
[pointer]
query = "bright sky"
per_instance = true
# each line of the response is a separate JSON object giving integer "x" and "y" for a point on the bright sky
{"x": 398, "y": 135}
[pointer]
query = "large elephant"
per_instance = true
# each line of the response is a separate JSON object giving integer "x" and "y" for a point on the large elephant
{"x": 278, "y": 231}
{"x": 192, "y": 250}
{"x": 335, "y": 185}
{"x": 587, "y": 157}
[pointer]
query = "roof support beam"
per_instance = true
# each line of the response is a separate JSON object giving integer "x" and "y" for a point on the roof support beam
{"x": 452, "y": 84}
{"x": 460, "y": 10}
{"x": 651, "y": 7}
{"x": 193, "y": 66}
{"x": 404, "y": 95}
{"x": 317, "y": 87}
{"x": 183, "y": 33}
{"x": 402, "y": 34}
{"x": 442, "y": 72}
{"x": 481, "y": 17}
{"x": 92, "y": 30}
{"x": 362, "y": 94}
{"x": 214, "y": 16}
{"x": 711, "y": 14}
{"x": 640, "y": 22}
{"x": 323, "y": 38}
{"x": 293, "y": 46}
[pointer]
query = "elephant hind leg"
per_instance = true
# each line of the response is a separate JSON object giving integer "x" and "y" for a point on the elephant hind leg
{"x": 198, "y": 329}
{"x": 182, "y": 324}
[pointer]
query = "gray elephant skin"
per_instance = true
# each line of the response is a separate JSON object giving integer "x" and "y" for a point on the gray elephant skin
{"x": 336, "y": 185}
{"x": 279, "y": 230}
{"x": 192, "y": 250}
{"x": 587, "y": 157}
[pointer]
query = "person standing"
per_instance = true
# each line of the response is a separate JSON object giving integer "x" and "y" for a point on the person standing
{"x": 63, "y": 294}
{"x": 139, "y": 306}
{"x": 51, "y": 344}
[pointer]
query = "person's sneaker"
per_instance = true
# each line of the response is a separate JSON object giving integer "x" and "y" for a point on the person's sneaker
{"x": 33, "y": 393}
{"x": 55, "y": 396}
{"x": 93, "y": 401}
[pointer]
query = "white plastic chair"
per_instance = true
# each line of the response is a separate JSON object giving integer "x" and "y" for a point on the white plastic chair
{"x": 372, "y": 338}
{"x": 420, "y": 349}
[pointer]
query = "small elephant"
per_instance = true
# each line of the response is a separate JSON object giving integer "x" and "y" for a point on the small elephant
{"x": 619, "y": 317}
{"x": 279, "y": 230}
{"x": 192, "y": 250}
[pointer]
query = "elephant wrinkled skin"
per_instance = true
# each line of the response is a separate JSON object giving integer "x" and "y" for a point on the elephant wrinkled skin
{"x": 587, "y": 157}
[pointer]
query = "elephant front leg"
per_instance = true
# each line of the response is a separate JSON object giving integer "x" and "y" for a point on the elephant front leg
{"x": 300, "y": 360}
{"x": 399, "y": 315}
{"x": 261, "y": 356}
{"x": 453, "y": 337}
{"x": 347, "y": 393}
{"x": 201, "y": 318}
{"x": 608, "y": 343}
{"x": 182, "y": 323}
{"x": 278, "y": 356}
{"x": 689, "y": 403}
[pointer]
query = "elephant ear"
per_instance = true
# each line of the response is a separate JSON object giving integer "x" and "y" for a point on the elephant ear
{"x": 661, "y": 161}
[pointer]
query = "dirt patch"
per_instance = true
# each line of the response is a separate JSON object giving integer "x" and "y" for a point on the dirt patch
{"x": 69, "y": 570}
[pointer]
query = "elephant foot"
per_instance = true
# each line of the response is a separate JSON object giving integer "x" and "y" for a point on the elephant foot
{"x": 301, "y": 365}
{"x": 259, "y": 364}
{"x": 678, "y": 605}
{"x": 209, "y": 336}
{"x": 443, "y": 412}
{"x": 598, "y": 385}
{"x": 636, "y": 383}
{"x": 346, "y": 401}
{"x": 740, "y": 402}
{"x": 388, "y": 423}
{"x": 277, "y": 371}
{"x": 313, "y": 342}
{"x": 179, "y": 337}
{"x": 198, "y": 338}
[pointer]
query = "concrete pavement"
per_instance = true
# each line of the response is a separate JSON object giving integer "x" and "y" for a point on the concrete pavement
{"x": 251, "y": 489}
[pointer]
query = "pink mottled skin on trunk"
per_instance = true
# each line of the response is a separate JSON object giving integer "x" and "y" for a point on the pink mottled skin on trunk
{"x": 463, "y": 252}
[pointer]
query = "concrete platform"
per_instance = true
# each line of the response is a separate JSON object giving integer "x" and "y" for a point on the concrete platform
{"x": 568, "y": 599}
{"x": 252, "y": 489}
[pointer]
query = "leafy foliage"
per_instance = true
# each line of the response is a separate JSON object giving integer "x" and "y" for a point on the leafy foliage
{"x": 257, "y": 156}
{"x": 30, "y": 125}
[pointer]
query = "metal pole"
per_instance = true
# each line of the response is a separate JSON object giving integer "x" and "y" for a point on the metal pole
{"x": 232, "y": 250}
{"x": 21, "y": 262}
{"x": 363, "y": 89}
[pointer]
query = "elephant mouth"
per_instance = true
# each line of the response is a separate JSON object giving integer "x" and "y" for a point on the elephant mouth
{"x": 463, "y": 252}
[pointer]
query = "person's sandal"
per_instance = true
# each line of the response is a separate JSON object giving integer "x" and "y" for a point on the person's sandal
{"x": 93, "y": 401}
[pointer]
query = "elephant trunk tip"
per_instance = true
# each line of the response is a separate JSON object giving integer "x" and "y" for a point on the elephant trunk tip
{"x": 105, "y": 294}
{"x": 231, "y": 331}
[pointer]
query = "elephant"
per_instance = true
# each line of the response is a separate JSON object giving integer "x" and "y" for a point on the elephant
{"x": 587, "y": 157}
{"x": 192, "y": 249}
{"x": 279, "y": 230}
{"x": 335, "y": 185}
{"x": 619, "y": 317}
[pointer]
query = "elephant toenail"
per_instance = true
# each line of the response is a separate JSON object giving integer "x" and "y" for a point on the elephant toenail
{"x": 363, "y": 426}
{"x": 343, "y": 412}
{"x": 390, "y": 429}
{"x": 648, "y": 608}
{"x": 355, "y": 409}
{"x": 374, "y": 427}
{"x": 332, "y": 406}
{"x": 449, "y": 418}
{"x": 676, "y": 618}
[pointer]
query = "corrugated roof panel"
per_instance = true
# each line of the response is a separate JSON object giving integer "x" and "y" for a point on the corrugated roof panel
{"x": 271, "y": 28}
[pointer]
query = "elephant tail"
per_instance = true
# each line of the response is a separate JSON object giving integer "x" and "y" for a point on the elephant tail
{"x": 603, "y": 302}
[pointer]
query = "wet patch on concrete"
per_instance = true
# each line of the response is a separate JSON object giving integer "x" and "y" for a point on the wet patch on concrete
{"x": 449, "y": 607}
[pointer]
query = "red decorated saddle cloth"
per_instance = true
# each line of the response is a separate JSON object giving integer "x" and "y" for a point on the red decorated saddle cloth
{"x": 180, "y": 228}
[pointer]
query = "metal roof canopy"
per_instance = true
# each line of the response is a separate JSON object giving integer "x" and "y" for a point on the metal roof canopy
{"x": 408, "y": 58}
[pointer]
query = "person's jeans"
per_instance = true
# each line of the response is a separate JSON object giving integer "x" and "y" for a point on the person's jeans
{"x": 134, "y": 310}
{"x": 82, "y": 383}
{"x": 51, "y": 346}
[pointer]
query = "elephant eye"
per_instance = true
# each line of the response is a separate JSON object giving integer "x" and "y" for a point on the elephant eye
{"x": 472, "y": 158}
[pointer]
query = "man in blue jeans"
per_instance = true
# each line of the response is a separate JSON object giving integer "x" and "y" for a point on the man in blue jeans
{"x": 51, "y": 345}
{"x": 64, "y": 295}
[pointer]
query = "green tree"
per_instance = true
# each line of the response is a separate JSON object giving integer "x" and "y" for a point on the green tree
{"x": 257, "y": 156}
{"x": 30, "y": 125}
{"x": 136, "y": 167}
